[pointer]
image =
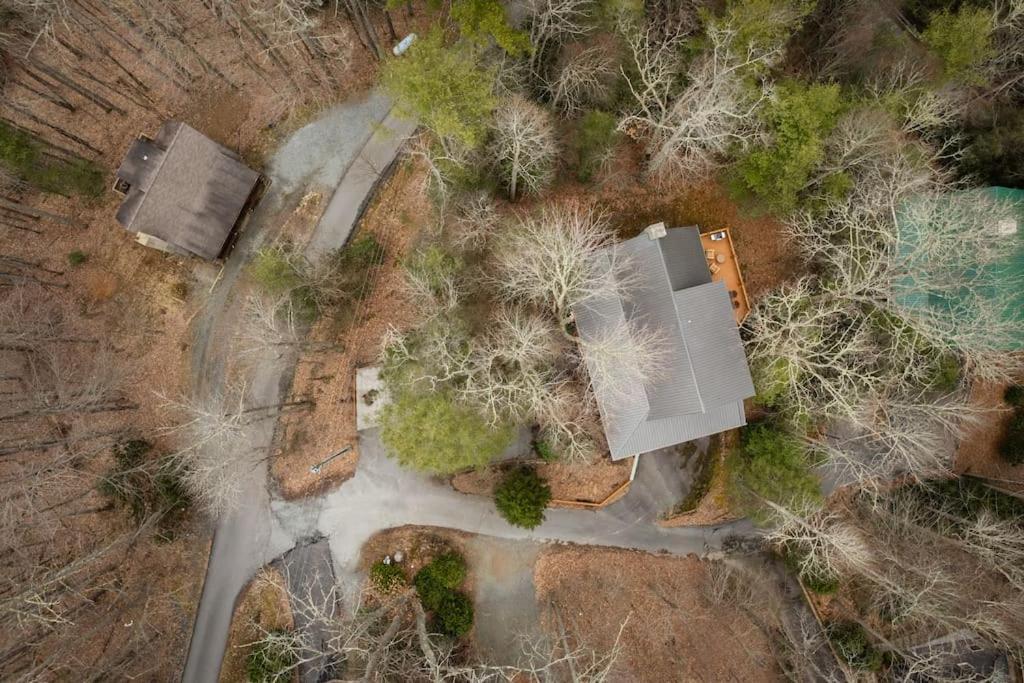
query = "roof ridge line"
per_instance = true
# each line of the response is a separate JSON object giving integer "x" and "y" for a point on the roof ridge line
{"x": 163, "y": 158}
{"x": 679, "y": 325}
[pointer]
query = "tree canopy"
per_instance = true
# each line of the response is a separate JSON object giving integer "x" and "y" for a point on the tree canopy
{"x": 799, "y": 119}
{"x": 962, "y": 39}
{"x": 446, "y": 87}
{"x": 430, "y": 432}
{"x": 483, "y": 20}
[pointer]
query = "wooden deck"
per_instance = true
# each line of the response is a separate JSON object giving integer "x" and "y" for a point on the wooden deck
{"x": 724, "y": 266}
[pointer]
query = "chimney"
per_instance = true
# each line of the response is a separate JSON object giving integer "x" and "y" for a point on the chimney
{"x": 656, "y": 231}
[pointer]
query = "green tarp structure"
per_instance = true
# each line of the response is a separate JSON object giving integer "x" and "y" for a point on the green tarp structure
{"x": 1000, "y": 282}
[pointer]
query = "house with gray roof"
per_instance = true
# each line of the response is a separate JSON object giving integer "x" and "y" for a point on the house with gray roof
{"x": 701, "y": 391}
{"x": 183, "y": 192}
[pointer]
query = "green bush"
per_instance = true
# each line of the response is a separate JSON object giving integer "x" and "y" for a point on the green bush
{"x": 596, "y": 136}
{"x": 362, "y": 253}
{"x": 443, "y": 575}
{"x": 703, "y": 479}
{"x": 430, "y": 432}
{"x": 275, "y": 269}
{"x": 820, "y": 582}
{"x": 799, "y": 120}
{"x": 323, "y": 286}
{"x": 433, "y": 266}
{"x": 454, "y": 614}
{"x": 544, "y": 451}
{"x": 963, "y": 40}
{"x": 387, "y": 577}
{"x": 521, "y": 497}
{"x": 180, "y": 290}
{"x": 1011, "y": 446}
{"x": 770, "y": 464}
{"x": 1014, "y": 395}
{"x": 77, "y": 258}
{"x": 852, "y": 644}
{"x": 24, "y": 156}
{"x": 271, "y": 660}
{"x": 966, "y": 498}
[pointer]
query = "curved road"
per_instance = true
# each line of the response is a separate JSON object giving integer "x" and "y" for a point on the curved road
{"x": 350, "y": 146}
{"x": 345, "y": 149}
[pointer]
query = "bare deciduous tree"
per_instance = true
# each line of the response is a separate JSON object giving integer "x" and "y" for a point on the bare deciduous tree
{"x": 582, "y": 79}
{"x": 554, "y": 22}
{"x": 524, "y": 147}
{"x": 216, "y": 452}
{"x": 688, "y": 133}
{"x": 828, "y": 544}
{"x": 269, "y": 323}
{"x": 623, "y": 356}
{"x": 552, "y": 260}
{"x": 475, "y": 222}
{"x": 390, "y": 639}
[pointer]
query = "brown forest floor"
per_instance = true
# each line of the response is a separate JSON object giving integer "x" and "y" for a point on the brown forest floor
{"x": 263, "y": 606}
{"x": 671, "y": 632}
{"x": 129, "y": 295}
{"x": 978, "y": 452}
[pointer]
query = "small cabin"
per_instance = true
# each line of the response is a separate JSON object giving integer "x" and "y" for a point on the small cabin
{"x": 183, "y": 193}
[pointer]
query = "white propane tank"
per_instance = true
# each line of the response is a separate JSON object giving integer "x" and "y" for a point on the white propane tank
{"x": 404, "y": 44}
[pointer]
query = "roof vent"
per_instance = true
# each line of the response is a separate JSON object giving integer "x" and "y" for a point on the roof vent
{"x": 656, "y": 231}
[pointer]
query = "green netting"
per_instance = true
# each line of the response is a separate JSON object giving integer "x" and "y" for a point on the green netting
{"x": 1000, "y": 281}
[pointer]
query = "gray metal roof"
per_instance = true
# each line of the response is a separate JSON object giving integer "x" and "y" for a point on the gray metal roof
{"x": 702, "y": 390}
{"x": 186, "y": 189}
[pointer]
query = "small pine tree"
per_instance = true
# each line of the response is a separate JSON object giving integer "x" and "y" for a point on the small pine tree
{"x": 444, "y": 574}
{"x": 454, "y": 615}
{"x": 521, "y": 497}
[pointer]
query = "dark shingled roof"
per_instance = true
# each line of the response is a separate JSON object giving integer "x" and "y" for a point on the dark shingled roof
{"x": 701, "y": 391}
{"x": 185, "y": 189}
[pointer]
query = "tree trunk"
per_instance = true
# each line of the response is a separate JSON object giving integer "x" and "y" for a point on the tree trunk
{"x": 37, "y": 213}
{"x": 391, "y": 26}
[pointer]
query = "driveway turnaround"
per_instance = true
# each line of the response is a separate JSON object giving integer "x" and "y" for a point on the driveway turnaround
{"x": 383, "y": 495}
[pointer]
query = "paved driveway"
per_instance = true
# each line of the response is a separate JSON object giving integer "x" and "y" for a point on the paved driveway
{"x": 382, "y": 495}
{"x": 328, "y": 150}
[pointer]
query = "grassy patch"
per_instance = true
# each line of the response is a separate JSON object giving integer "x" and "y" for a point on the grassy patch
{"x": 25, "y": 157}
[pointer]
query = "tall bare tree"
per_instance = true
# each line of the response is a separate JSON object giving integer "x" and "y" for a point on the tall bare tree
{"x": 688, "y": 132}
{"x": 524, "y": 147}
